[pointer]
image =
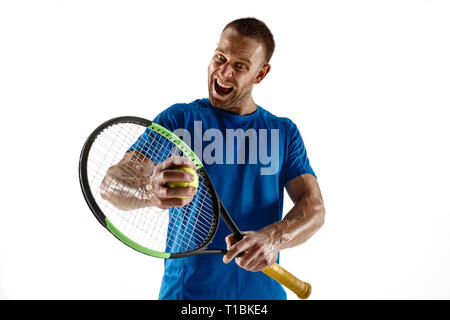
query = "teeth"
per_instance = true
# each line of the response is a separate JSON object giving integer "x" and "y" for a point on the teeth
{"x": 223, "y": 85}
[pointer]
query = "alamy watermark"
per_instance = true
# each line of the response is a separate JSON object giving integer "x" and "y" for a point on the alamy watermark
{"x": 237, "y": 147}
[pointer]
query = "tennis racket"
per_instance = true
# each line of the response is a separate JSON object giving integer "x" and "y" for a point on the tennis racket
{"x": 173, "y": 233}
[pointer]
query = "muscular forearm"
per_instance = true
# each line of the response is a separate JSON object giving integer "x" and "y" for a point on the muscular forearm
{"x": 261, "y": 247}
{"x": 300, "y": 223}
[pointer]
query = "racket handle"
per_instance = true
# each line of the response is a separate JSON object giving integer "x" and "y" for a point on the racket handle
{"x": 300, "y": 288}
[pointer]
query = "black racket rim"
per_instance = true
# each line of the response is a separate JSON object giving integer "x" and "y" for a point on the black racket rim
{"x": 84, "y": 156}
{"x": 101, "y": 217}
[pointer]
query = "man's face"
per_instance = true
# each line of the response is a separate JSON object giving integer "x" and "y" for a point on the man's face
{"x": 237, "y": 64}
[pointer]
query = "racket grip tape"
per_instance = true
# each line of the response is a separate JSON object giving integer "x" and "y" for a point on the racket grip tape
{"x": 281, "y": 275}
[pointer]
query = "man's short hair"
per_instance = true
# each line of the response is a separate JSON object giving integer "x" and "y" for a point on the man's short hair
{"x": 256, "y": 29}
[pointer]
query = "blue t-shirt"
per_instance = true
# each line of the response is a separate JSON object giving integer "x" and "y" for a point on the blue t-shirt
{"x": 249, "y": 159}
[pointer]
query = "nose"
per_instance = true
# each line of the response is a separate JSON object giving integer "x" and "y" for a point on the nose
{"x": 226, "y": 71}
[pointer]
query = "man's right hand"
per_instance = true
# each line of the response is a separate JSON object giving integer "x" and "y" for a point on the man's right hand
{"x": 159, "y": 194}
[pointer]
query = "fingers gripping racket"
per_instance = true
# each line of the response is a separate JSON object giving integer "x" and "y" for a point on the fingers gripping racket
{"x": 174, "y": 233}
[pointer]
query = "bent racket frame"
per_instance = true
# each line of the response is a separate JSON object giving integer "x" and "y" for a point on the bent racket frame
{"x": 218, "y": 210}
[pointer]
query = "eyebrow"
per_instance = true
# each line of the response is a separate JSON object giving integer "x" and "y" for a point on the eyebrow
{"x": 243, "y": 59}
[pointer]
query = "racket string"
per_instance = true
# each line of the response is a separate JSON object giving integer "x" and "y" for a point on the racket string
{"x": 177, "y": 230}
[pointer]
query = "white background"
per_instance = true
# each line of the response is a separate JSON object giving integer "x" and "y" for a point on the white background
{"x": 367, "y": 82}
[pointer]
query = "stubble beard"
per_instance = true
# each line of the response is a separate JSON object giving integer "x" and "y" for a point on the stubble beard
{"x": 235, "y": 102}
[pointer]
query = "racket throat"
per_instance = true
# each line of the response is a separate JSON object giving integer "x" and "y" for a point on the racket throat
{"x": 197, "y": 252}
{"x": 229, "y": 222}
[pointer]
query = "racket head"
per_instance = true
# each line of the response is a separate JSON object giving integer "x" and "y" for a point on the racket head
{"x": 171, "y": 233}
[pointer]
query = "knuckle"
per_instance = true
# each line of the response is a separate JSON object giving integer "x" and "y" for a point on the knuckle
{"x": 161, "y": 193}
{"x": 186, "y": 201}
{"x": 156, "y": 178}
{"x": 165, "y": 192}
{"x": 159, "y": 203}
{"x": 164, "y": 175}
{"x": 179, "y": 202}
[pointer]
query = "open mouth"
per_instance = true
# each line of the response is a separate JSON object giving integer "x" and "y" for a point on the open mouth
{"x": 222, "y": 88}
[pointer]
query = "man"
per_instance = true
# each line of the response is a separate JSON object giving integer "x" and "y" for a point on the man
{"x": 249, "y": 181}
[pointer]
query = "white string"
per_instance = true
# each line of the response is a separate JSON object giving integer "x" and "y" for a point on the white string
{"x": 177, "y": 230}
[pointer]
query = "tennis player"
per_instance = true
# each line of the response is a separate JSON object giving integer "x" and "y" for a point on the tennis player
{"x": 251, "y": 156}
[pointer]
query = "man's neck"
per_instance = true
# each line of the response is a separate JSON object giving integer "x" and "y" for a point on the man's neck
{"x": 243, "y": 108}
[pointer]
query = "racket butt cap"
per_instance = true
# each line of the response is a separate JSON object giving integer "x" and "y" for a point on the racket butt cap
{"x": 300, "y": 288}
{"x": 306, "y": 293}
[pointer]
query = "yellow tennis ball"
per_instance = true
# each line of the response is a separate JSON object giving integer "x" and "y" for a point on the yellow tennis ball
{"x": 182, "y": 184}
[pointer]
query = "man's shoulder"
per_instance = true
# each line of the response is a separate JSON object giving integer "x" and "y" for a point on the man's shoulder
{"x": 175, "y": 116}
{"x": 278, "y": 120}
{"x": 186, "y": 107}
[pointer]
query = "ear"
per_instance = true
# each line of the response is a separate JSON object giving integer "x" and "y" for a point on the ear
{"x": 263, "y": 71}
